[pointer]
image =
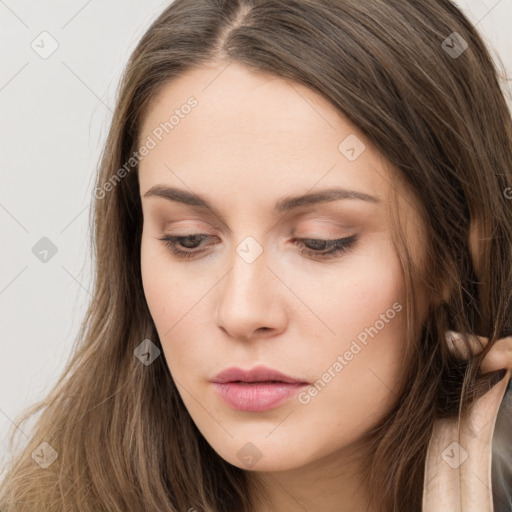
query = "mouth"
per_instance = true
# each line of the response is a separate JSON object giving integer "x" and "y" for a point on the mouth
{"x": 259, "y": 374}
{"x": 256, "y": 390}
{"x": 257, "y": 382}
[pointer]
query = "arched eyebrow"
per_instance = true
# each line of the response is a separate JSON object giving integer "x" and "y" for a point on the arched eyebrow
{"x": 285, "y": 204}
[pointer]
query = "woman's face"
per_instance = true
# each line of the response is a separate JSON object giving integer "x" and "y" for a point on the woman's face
{"x": 255, "y": 166}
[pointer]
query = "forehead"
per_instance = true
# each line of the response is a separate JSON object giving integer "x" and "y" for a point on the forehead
{"x": 254, "y": 133}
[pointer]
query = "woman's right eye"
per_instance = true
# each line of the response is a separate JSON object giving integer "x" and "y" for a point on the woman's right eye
{"x": 187, "y": 241}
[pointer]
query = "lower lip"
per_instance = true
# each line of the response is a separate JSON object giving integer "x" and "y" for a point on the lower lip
{"x": 256, "y": 397}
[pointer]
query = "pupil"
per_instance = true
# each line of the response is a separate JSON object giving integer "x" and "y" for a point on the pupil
{"x": 317, "y": 244}
{"x": 190, "y": 241}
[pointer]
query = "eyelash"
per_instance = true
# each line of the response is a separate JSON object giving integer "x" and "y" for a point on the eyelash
{"x": 338, "y": 246}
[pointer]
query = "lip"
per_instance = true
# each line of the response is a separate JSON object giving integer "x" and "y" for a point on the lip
{"x": 256, "y": 390}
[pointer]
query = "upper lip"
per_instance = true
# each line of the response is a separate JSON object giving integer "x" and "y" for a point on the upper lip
{"x": 257, "y": 374}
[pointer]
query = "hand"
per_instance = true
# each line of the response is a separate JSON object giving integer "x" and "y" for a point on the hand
{"x": 458, "y": 462}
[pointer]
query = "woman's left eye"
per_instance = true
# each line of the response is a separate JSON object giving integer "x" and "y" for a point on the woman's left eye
{"x": 313, "y": 247}
{"x": 325, "y": 248}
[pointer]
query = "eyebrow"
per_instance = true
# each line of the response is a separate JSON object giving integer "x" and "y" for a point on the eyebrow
{"x": 285, "y": 204}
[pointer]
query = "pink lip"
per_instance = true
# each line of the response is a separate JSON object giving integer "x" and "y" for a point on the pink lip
{"x": 256, "y": 390}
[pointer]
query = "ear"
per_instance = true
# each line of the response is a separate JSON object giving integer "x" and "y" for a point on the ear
{"x": 443, "y": 295}
{"x": 475, "y": 248}
{"x": 475, "y": 245}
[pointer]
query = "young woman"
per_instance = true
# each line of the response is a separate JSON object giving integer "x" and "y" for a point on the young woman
{"x": 303, "y": 289}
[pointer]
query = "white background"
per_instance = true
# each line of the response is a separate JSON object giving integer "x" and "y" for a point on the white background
{"x": 55, "y": 114}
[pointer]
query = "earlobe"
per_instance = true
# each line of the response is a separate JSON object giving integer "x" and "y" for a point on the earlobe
{"x": 475, "y": 246}
{"x": 443, "y": 292}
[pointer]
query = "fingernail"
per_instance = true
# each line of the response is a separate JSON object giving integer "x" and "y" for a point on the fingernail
{"x": 453, "y": 335}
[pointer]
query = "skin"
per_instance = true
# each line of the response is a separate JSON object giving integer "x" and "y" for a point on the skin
{"x": 252, "y": 140}
{"x": 458, "y": 476}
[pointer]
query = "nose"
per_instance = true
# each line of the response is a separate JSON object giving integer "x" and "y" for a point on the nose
{"x": 251, "y": 300}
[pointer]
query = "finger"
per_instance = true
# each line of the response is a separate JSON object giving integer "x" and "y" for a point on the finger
{"x": 499, "y": 357}
{"x": 466, "y": 347}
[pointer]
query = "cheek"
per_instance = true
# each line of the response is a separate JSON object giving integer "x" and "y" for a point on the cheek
{"x": 158, "y": 287}
{"x": 168, "y": 292}
{"x": 339, "y": 304}
{"x": 349, "y": 396}
{"x": 372, "y": 285}
{"x": 174, "y": 299}
{"x": 360, "y": 367}
{"x": 353, "y": 295}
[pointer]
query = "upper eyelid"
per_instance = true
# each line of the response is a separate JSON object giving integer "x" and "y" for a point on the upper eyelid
{"x": 205, "y": 236}
{"x": 312, "y": 236}
{"x": 333, "y": 226}
{"x": 337, "y": 220}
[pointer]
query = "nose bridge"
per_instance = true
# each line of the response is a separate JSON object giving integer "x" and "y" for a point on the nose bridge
{"x": 247, "y": 296}
{"x": 248, "y": 274}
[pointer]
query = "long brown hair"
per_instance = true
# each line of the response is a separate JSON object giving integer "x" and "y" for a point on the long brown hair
{"x": 122, "y": 434}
